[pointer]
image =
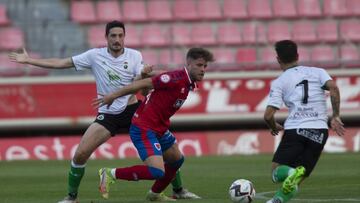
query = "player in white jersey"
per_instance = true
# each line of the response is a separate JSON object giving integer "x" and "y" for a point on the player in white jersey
{"x": 113, "y": 66}
{"x": 302, "y": 90}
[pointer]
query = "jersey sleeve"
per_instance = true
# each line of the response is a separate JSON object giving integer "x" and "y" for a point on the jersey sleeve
{"x": 323, "y": 76}
{"x": 275, "y": 96}
{"x": 139, "y": 64}
{"x": 163, "y": 81}
{"x": 83, "y": 61}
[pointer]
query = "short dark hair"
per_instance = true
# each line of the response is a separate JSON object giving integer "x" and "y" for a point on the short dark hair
{"x": 197, "y": 52}
{"x": 113, "y": 24}
{"x": 286, "y": 50}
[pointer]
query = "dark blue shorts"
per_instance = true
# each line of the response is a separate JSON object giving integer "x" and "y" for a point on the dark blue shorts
{"x": 148, "y": 142}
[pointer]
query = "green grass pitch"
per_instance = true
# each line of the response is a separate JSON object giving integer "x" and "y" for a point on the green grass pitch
{"x": 335, "y": 179}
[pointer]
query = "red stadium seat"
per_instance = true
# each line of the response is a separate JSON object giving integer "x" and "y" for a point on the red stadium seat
{"x": 249, "y": 35}
{"x": 155, "y": 35}
{"x": 4, "y": 20}
{"x": 268, "y": 58}
{"x": 185, "y": 10}
{"x": 83, "y": 12}
{"x": 309, "y": 8}
{"x": 350, "y": 30}
{"x": 181, "y": 34}
{"x": 327, "y": 31}
{"x": 325, "y": 56}
{"x": 203, "y": 34}
{"x": 235, "y": 9}
{"x": 261, "y": 34}
{"x": 349, "y": 55}
{"x": 174, "y": 58}
{"x": 284, "y": 8}
{"x": 132, "y": 38}
{"x": 259, "y": 9}
{"x": 246, "y": 58}
{"x": 224, "y": 56}
{"x": 209, "y": 9}
{"x": 96, "y": 36}
{"x": 304, "y": 32}
{"x": 108, "y": 11}
{"x": 11, "y": 38}
{"x": 304, "y": 55}
{"x": 134, "y": 11}
{"x": 10, "y": 69}
{"x": 150, "y": 56}
{"x": 336, "y": 8}
{"x": 354, "y": 7}
{"x": 278, "y": 31}
{"x": 229, "y": 34}
{"x": 159, "y": 10}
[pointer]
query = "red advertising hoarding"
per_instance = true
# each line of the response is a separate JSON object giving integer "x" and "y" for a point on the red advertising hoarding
{"x": 190, "y": 143}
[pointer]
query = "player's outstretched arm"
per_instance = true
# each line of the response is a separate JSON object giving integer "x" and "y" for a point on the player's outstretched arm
{"x": 336, "y": 123}
{"x": 52, "y": 63}
{"x": 129, "y": 89}
{"x": 270, "y": 120}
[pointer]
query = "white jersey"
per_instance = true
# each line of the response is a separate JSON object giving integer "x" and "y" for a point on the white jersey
{"x": 111, "y": 73}
{"x": 301, "y": 89}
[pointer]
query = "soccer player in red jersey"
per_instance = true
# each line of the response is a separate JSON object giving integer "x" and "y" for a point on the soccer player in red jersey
{"x": 149, "y": 132}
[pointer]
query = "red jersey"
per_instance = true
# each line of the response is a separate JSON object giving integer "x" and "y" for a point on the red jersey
{"x": 170, "y": 92}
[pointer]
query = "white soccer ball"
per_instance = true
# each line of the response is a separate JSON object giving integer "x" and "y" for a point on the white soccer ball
{"x": 242, "y": 191}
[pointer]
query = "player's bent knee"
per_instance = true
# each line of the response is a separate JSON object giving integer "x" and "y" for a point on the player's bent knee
{"x": 177, "y": 164}
{"x": 156, "y": 173}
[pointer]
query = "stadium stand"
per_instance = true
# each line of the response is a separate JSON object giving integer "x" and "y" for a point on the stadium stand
{"x": 107, "y": 11}
{"x": 134, "y": 11}
{"x": 350, "y": 56}
{"x": 185, "y": 10}
{"x": 284, "y": 9}
{"x": 229, "y": 34}
{"x": 11, "y": 38}
{"x": 350, "y": 30}
{"x": 259, "y": 9}
{"x": 309, "y": 8}
{"x": 336, "y": 8}
{"x": 159, "y": 10}
{"x": 161, "y": 25}
{"x": 278, "y": 31}
{"x": 304, "y": 32}
{"x": 327, "y": 31}
{"x": 202, "y": 34}
{"x": 324, "y": 56}
{"x": 83, "y": 12}
{"x": 154, "y": 35}
{"x": 353, "y": 7}
{"x": 235, "y": 9}
{"x": 209, "y": 9}
{"x": 3, "y": 16}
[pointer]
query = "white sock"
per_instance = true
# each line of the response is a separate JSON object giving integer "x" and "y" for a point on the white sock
{"x": 113, "y": 172}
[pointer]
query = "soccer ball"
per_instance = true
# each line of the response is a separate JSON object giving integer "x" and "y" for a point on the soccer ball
{"x": 242, "y": 191}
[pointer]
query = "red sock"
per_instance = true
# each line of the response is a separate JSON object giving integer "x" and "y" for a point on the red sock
{"x": 134, "y": 173}
{"x": 162, "y": 183}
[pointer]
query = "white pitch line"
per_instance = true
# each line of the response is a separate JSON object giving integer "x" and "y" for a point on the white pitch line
{"x": 262, "y": 195}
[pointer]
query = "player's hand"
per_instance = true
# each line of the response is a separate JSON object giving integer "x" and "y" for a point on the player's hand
{"x": 337, "y": 125}
{"x": 276, "y": 131}
{"x": 19, "y": 57}
{"x": 105, "y": 100}
{"x": 146, "y": 70}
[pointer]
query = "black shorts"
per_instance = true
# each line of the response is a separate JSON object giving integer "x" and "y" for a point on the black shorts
{"x": 116, "y": 122}
{"x": 301, "y": 147}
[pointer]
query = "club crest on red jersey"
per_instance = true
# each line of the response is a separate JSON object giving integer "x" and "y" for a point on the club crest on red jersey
{"x": 157, "y": 146}
{"x": 165, "y": 78}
